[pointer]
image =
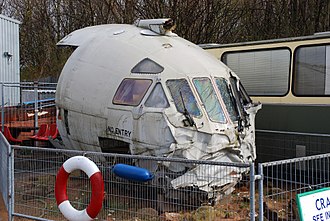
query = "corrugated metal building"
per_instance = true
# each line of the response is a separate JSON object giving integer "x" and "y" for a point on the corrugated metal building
{"x": 9, "y": 57}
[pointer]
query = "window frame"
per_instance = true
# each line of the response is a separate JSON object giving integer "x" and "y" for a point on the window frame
{"x": 295, "y": 69}
{"x": 142, "y": 97}
{"x": 231, "y": 94}
{"x": 263, "y": 49}
{"x": 223, "y": 109}
{"x": 191, "y": 89}
{"x": 152, "y": 91}
{"x": 149, "y": 60}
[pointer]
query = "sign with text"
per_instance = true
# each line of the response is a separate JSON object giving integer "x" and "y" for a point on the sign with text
{"x": 314, "y": 205}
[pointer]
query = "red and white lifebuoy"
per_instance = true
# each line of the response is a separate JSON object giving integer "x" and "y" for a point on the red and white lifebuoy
{"x": 95, "y": 176}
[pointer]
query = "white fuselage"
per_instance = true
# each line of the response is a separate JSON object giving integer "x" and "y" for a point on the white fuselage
{"x": 92, "y": 107}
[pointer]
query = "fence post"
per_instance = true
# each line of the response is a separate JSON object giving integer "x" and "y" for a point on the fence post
{"x": 2, "y": 107}
{"x": 261, "y": 192}
{"x": 35, "y": 104}
{"x": 252, "y": 192}
{"x": 10, "y": 182}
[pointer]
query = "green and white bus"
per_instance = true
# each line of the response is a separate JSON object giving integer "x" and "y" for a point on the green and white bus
{"x": 291, "y": 78}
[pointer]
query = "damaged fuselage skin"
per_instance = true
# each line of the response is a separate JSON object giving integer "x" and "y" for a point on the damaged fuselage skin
{"x": 149, "y": 92}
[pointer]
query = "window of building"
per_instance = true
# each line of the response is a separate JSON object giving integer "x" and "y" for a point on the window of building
{"x": 210, "y": 100}
{"x": 183, "y": 96}
{"x": 263, "y": 72}
{"x": 312, "y": 71}
{"x": 131, "y": 91}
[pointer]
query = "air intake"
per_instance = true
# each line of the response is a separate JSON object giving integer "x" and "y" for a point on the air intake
{"x": 162, "y": 26}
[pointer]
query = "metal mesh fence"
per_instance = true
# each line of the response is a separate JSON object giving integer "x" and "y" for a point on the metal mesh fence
{"x": 204, "y": 190}
{"x": 4, "y": 169}
{"x": 283, "y": 180}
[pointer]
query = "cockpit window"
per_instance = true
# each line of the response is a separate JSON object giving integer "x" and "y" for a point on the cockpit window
{"x": 209, "y": 98}
{"x": 242, "y": 100}
{"x": 147, "y": 66}
{"x": 227, "y": 98}
{"x": 157, "y": 98}
{"x": 245, "y": 97}
{"x": 131, "y": 91}
{"x": 183, "y": 96}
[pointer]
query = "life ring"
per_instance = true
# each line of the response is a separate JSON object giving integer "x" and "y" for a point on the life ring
{"x": 95, "y": 176}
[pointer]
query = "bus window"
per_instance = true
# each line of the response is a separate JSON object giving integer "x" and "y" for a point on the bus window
{"x": 312, "y": 71}
{"x": 263, "y": 72}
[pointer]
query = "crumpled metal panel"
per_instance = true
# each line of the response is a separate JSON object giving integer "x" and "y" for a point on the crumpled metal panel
{"x": 230, "y": 147}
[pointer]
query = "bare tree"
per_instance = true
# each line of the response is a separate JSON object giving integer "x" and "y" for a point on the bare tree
{"x": 2, "y": 3}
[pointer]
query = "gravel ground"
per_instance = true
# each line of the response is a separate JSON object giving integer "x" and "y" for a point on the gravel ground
{"x": 3, "y": 210}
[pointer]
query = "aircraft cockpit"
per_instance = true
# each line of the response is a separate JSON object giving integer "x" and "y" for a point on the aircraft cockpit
{"x": 153, "y": 93}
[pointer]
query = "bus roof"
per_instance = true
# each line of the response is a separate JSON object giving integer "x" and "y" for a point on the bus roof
{"x": 319, "y": 35}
